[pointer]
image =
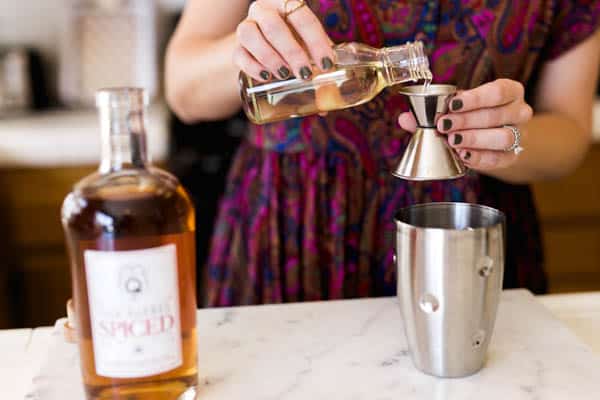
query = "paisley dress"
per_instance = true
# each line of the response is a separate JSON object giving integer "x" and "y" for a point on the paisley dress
{"x": 308, "y": 211}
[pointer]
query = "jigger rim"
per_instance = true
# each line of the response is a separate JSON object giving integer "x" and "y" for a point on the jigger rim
{"x": 434, "y": 89}
{"x": 499, "y": 218}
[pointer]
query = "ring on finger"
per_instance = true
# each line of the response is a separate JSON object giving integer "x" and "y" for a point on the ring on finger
{"x": 291, "y": 6}
{"x": 516, "y": 146}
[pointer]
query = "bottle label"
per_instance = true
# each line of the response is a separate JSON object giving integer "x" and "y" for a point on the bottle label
{"x": 134, "y": 311}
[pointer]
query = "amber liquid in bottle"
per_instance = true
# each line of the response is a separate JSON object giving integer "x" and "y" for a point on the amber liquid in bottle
{"x": 130, "y": 234}
{"x": 361, "y": 72}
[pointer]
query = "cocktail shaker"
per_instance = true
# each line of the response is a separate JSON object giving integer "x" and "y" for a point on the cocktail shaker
{"x": 450, "y": 260}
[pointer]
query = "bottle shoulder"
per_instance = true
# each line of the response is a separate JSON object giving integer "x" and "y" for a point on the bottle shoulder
{"x": 130, "y": 201}
{"x": 129, "y": 180}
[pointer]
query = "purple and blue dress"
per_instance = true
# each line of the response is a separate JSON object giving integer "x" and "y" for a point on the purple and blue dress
{"x": 308, "y": 210}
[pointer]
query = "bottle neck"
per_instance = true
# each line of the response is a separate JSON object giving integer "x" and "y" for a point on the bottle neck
{"x": 123, "y": 139}
{"x": 405, "y": 63}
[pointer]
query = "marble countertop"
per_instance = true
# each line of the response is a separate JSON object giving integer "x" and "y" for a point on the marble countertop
{"x": 65, "y": 138}
{"x": 580, "y": 312}
{"x": 69, "y": 138}
{"x": 356, "y": 350}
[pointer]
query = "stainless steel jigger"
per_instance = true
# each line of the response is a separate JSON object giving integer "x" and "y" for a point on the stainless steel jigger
{"x": 450, "y": 259}
{"x": 428, "y": 155}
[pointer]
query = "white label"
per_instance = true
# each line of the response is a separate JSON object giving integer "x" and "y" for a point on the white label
{"x": 134, "y": 311}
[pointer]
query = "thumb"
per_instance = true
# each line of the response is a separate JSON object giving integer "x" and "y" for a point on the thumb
{"x": 407, "y": 122}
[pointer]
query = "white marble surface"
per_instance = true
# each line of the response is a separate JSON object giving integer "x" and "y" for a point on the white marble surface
{"x": 21, "y": 354}
{"x": 580, "y": 312}
{"x": 69, "y": 138}
{"x": 356, "y": 350}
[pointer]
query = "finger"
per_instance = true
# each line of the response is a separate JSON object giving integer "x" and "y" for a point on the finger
{"x": 252, "y": 39}
{"x": 513, "y": 113}
{"x": 484, "y": 139}
{"x": 312, "y": 33}
{"x": 245, "y": 62}
{"x": 485, "y": 160}
{"x": 407, "y": 122}
{"x": 278, "y": 34}
{"x": 492, "y": 94}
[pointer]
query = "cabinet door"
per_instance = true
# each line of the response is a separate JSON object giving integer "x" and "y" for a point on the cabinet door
{"x": 570, "y": 214}
{"x": 39, "y": 279}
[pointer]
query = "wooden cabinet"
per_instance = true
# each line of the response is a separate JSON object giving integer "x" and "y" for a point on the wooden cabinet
{"x": 37, "y": 271}
{"x": 570, "y": 213}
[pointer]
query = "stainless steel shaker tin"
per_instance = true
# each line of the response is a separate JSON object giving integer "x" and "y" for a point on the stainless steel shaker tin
{"x": 450, "y": 260}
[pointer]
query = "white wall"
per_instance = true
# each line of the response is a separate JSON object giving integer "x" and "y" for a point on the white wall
{"x": 30, "y": 22}
{"x": 35, "y": 23}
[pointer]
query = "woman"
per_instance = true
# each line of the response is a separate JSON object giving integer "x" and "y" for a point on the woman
{"x": 309, "y": 205}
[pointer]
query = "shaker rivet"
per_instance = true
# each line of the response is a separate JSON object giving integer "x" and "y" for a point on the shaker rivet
{"x": 478, "y": 339}
{"x": 429, "y": 303}
{"x": 486, "y": 268}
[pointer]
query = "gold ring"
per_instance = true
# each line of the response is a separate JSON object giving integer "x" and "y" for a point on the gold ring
{"x": 291, "y": 6}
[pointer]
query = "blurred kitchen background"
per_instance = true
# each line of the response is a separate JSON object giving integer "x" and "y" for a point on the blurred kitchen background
{"x": 55, "y": 53}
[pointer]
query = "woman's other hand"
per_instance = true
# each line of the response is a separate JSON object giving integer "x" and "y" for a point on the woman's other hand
{"x": 475, "y": 123}
{"x": 272, "y": 45}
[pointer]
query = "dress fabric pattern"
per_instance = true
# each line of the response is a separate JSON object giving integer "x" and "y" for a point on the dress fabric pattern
{"x": 308, "y": 212}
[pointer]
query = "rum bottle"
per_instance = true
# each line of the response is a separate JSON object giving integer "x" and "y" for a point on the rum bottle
{"x": 130, "y": 234}
{"x": 360, "y": 73}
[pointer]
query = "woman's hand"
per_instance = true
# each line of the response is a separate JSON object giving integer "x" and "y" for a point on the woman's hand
{"x": 271, "y": 45}
{"x": 475, "y": 123}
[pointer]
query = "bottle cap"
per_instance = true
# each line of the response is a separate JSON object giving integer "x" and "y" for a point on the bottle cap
{"x": 131, "y": 98}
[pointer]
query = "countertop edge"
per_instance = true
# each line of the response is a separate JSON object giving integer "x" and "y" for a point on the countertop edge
{"x": 57, "y": 139}
{"x": 70, "y": 138}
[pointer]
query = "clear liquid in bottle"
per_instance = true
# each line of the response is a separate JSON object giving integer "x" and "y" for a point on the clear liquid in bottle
{"x": 361, "y": 72}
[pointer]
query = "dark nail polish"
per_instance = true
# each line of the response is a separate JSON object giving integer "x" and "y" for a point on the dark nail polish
{"x": 284, "y": 72}
{"x": 447, "y": 124}
{"x": 305, "y": 73}
{"x": 458, "y": 138}
{"x": 467, "y": 155}
{"x": 456, "y": 104}
{"x": 265, "y": 75}
{"x": 326, "y": 63}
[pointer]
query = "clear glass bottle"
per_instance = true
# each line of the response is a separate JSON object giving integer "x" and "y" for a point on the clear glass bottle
{"x": 359, "y": 74}
{"x": 130, "y": 235}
